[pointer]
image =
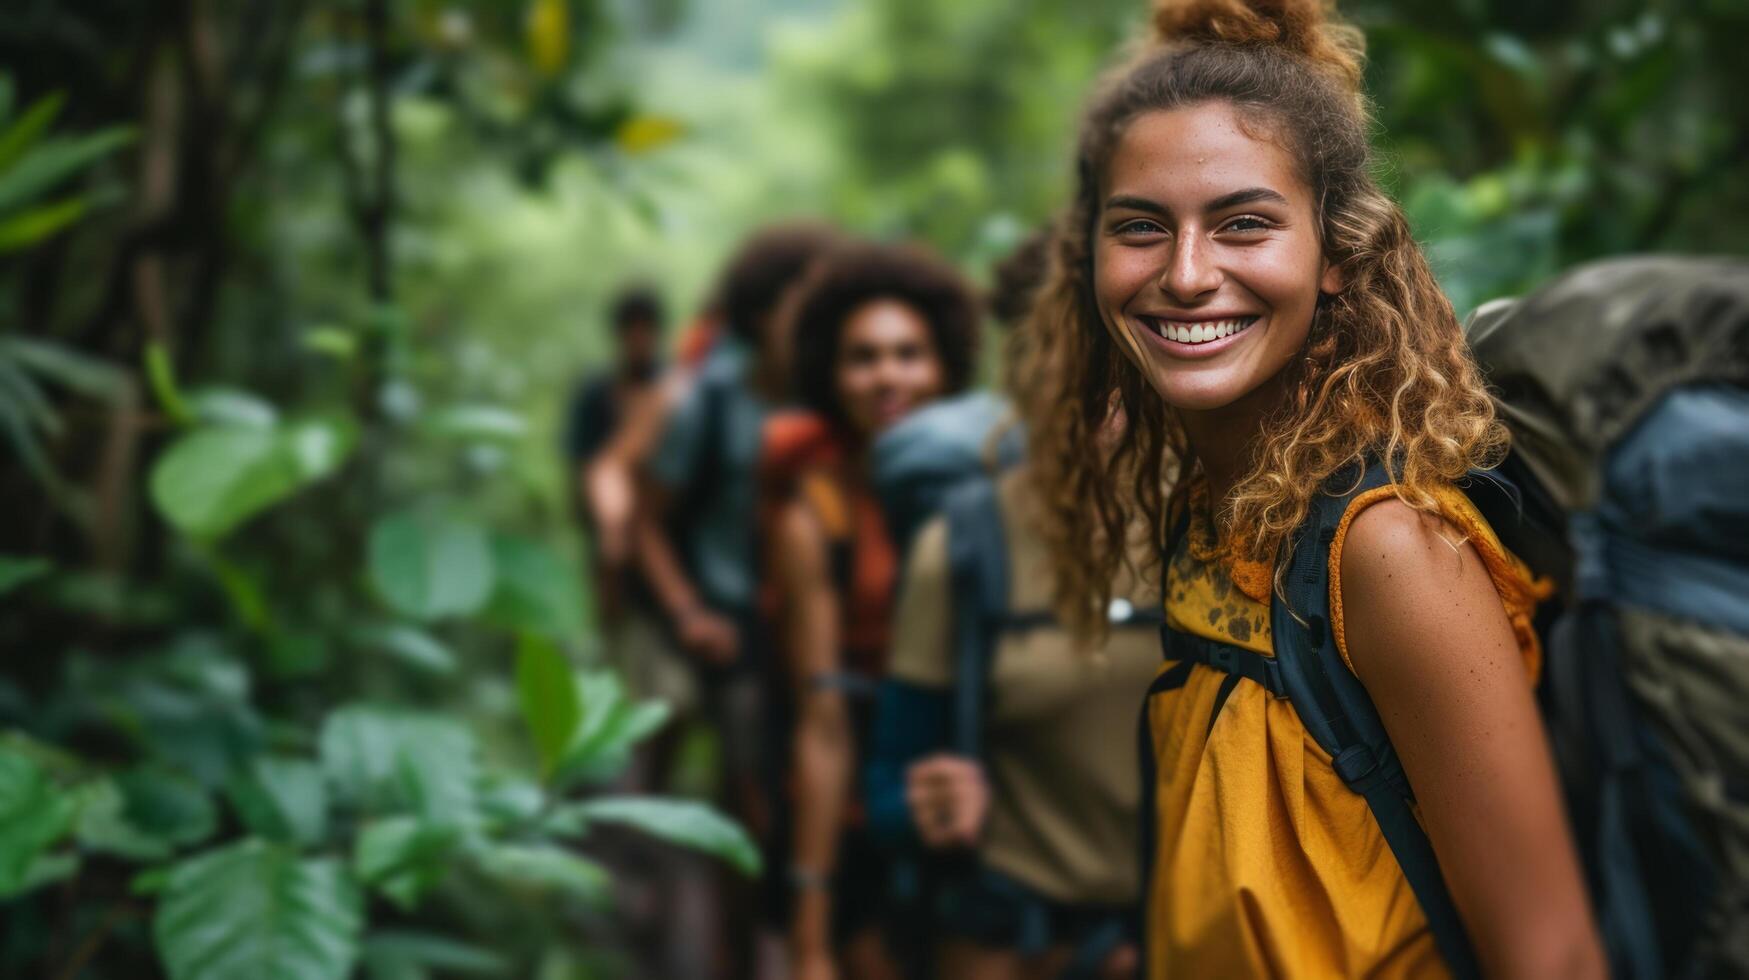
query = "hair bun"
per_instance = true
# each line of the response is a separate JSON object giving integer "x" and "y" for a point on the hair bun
{"x": 1305, "y": 27}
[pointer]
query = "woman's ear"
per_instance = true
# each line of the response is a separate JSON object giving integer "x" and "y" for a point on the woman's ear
{"x": 1332, "y": 280}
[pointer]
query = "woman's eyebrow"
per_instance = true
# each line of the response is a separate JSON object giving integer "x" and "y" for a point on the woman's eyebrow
{"x": 1234, "y": 199}
{"x": 1246, "y": 196}
{"x": 1134, "y": 203}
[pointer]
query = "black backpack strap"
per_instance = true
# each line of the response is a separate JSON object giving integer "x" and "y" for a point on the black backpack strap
{"x": 977, "y": 555}
{"x": 1225, "y": 657}
{"x": 1169, "y": 679}
{"x": 1339, "y": 715}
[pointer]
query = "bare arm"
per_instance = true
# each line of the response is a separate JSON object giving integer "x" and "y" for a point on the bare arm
{"x": 608, "y": 481}
{"x": 628, "y": 510}
{"x": 1429, "y": 638}
{"x": 646, "y": 416}
{"x": 823, "y": 743}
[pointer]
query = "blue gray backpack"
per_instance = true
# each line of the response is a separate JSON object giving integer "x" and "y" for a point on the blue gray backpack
{"x": 1626, "y": 387}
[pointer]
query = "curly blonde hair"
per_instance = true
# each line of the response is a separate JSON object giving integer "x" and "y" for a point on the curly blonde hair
{"x": 1385, "y": 371}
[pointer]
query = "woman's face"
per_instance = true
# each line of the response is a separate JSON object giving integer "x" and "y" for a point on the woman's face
{"x": 1206, "y": 261}
{"x": 887, "y": 364}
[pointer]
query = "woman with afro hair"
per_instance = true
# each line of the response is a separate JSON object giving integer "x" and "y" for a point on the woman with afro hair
{"x": 878, "y": 330}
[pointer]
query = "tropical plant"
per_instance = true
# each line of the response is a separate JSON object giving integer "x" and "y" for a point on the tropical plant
{"x": 34, "y": 164}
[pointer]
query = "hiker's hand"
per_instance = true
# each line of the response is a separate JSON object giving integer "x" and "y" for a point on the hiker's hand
{"x": 812, "y": 965}
{"x": 611, "y": 500}
{"x": 1123, "y": 963}
{"x": 709, "y": 637}
{"x": 948, "y": 799}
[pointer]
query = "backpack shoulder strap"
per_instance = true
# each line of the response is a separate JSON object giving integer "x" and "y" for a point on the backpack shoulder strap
{"x": 1339, "y": 715}
{"x": 826, "y": 498}
{"x": 977, "y": 553}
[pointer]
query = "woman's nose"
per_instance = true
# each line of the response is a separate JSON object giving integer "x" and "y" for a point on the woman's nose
{"x": 1191, "y": 271}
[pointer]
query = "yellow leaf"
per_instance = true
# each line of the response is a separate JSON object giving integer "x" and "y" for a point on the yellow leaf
{"x": 549, "y": 35}
{"x": 641, "y": 134}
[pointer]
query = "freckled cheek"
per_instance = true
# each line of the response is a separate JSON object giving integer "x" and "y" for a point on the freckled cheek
{"x": 1119, "y": 277}
{"x": 853, "y": 384}
{"x": 1287, "y": 279}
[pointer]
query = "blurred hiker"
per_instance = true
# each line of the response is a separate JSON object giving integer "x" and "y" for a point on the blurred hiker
{"x": 611, "y": 479}
{"x": 1002, "y": 738}
{"x": 598, "y": 411}
{"x": 663, "y": 895}
{"x": 695, "y": 532}
{"x": 1001, "y": 752}
{"x": 918, "y": 460}
{"x": 1342, "y": 622}
{"x": 702, "y": 470}
{"x": 879, "y": 331}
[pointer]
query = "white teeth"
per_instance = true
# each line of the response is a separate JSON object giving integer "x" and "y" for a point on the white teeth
{"x": 1201, "y": 333}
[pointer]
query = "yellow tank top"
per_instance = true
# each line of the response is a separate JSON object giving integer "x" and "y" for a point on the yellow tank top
{"x": 1265, "y": 864}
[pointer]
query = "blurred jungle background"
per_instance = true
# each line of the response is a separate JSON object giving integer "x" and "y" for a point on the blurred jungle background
{"x": 300, "y": 665}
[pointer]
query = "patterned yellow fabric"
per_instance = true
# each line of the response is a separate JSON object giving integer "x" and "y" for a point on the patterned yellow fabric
{"x": 1265, "y": 864}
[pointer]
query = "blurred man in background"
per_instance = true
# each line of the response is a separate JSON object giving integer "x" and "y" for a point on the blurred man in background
{"x": 666, "y": 902}
{"x": 688, "y": 471}
{"x": 600, "y": 405}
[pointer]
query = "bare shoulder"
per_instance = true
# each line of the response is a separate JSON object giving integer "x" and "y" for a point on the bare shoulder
{"x": 799, "y": 537}
{"x": 1412, "y": 589}
{"x": 1391, "y": 541}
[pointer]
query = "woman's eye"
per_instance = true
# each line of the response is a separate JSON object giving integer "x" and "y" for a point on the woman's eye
{"x": 1247, "y": 222}
{"x": 1140, "y": 226}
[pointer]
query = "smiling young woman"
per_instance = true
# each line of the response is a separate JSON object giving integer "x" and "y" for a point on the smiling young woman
{"x": 1231, "y": 273}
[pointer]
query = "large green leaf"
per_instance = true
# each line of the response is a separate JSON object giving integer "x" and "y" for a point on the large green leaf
{"x": 215, "y": 478}
{"x": 686, "y": 822}
{"x": 403, "y": 857}
{"x": 547, "y": 867}
{"x": 413, "y": 647}
{"x": 388, "y": 761}
{"x": 398, "y": 953}
{"x": 611, "y": 725}
{"x": 19, "y": 136}
{"x": 536, "y": 589}
{"x": 105, "y": 825}
{"x": 281, "y": 799}
{"x": 34, "y": 815}
{"x": 547, "y": 689}
{"x": 14, "y": 572}
{"x": 22, "y": 230}
{"x": 53, "y": 160}
{"x": 191, "y": 707}
{"x": 254, "y": 911}
{"x": 168, "y": 804}
{"x": 428, "y": 567}
{"x": 508, "y": 798}
{"x": 91, "y": 376}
